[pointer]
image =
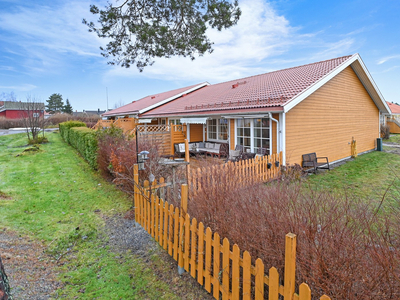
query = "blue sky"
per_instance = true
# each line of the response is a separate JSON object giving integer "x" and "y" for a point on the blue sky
{"x": 45, "y": 49}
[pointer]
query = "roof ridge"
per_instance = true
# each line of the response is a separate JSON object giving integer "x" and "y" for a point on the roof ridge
{"x": 295, "y": 67}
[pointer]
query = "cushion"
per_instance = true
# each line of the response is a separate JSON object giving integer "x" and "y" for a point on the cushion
{"x": 233, "y": 154}
{"x": 202, "y": 145}
{"x": 209, "y": 146}
{"x": 217, "y": 146}
{"x": 181, "y": 147}
{"x": 259, "y": 155}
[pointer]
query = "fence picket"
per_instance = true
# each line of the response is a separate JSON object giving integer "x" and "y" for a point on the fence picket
{"x": 186, "y": 249}
{"x": 246, "y": 275}
{"x": 165, "y": 229}
{"x": 160, "y": 216}
{"x": 259, "y": 282}
{"x": 200, "y": 264}
{"x": 304, "y": 292}
{"x": 193, "y": 250}
{"x": 273, "y": 292}
{"x": 225, "y": 269}
{"x": 235, "y": 272}
{"x": 155, "y": 210}
{"x": 216, "y": 265}
{"x": 176, "y": 233}
{"x": 325, "y": 297}
{"x": 171, "y": 228}
{"x": 207, "y": 269}
{"x": 181, "y": 241}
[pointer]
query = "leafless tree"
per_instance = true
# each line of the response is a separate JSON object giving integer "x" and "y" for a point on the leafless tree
{"x": 32, "y": 115}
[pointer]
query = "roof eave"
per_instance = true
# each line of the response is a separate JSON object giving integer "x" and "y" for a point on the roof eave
{"x": 173, "y": 97}
{"x": 361, "y": 72}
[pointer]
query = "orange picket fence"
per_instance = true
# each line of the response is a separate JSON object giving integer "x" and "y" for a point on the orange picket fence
{"x": 223, "y": 269}
{"x": 234, "y": 174}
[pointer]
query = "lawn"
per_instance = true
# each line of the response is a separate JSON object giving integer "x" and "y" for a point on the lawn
{"x": 371, "y": 175}
{"x": 51, "y": 195}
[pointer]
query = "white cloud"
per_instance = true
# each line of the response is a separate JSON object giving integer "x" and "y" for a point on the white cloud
{"x": 21, "y": 88}
{"x": 385, "y": 59}
{"x": 45, "y": 35}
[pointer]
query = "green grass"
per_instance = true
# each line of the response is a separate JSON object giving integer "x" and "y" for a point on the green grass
{"x": 53, "y": 196}
{"x": 394, "y": 138}
{"x": 368, "y": 176}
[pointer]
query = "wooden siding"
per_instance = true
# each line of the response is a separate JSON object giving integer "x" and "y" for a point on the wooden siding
{"x": 196, "y": 132}
{"x": 327, "y": 120}
{"x": 394, "y": 128}
{"x": 232, "y": 141}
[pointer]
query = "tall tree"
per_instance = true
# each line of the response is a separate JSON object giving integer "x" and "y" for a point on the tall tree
{"x": 140, "y": 30}
{"x": 55, "y": 103}
{"x": 67, "y": 107}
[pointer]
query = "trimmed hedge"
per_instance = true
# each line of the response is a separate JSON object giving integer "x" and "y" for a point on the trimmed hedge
{"x": 66, "y": 126}
{"x": 82, "y": 139}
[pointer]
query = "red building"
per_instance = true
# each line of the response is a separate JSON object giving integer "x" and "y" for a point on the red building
{"x": 17, "y": 110}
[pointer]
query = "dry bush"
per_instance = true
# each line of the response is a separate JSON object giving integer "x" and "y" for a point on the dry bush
{"x": 385, "y": 131}
{"x": 345, "y": 249}
{"x": 117, "y": 156}
{"x": 89, "y": 120}
{"x": 10, "y": 123}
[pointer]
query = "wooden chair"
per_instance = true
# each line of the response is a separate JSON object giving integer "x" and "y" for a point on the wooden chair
{"x": 237, "y": 154}
{"x": 311, "y": 160}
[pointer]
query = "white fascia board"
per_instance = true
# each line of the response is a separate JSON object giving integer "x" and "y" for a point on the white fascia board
{"x": 329, "y": 76}
{"x": 173, "y": 97}
{"x": 307, "y": 92}
{"x": 374, "y": 86}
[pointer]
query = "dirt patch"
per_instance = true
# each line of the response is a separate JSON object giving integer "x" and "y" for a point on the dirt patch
{"x": 125, "y": 235}
{"x": 4, "y": 196}
{"x": 30, "y": 271}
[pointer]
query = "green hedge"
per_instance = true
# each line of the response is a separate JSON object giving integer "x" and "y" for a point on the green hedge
{"x": 66, "y": 126}
{"x": 82, "y": 139}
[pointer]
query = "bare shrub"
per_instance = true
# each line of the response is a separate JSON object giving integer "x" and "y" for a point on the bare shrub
{"x": 346, "y": 249}
{"x": 89, "y": 120}
{"x": 10, "y": 123}
{"x": 385, "y": 131}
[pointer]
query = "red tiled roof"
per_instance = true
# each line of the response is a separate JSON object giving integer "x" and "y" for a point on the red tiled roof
{"x": 395, "y": 108}
{"x": 264, "y": 91}
{"x": 136, "y": 106}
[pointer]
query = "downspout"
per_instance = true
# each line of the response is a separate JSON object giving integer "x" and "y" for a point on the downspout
{"x": 277, "y": 132}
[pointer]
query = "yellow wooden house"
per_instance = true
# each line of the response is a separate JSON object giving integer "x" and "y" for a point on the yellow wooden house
{"x": 319, "y": 107}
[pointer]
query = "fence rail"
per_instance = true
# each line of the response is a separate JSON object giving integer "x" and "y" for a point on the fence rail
{"x": 259, "y": 169}
{"x": 223, "y": 269}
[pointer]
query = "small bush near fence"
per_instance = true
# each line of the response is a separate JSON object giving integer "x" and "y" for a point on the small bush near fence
{"x": 346, "y": 248}
{"x": 10, "y": 123}
{"x": 82, "y": 139}
{"x": 117, "y": 155}
{"x": 385, "y": 132}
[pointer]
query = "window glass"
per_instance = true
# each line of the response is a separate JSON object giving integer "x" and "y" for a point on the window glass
{"x": 253, "y": 133}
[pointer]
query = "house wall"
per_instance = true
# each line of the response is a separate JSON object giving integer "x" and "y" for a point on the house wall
{"x": 232, "y": 141}
{"x": 394, "y": 128}
{"x": 196, "y": 132}
{"x": 15, "y": 114}
{"x": 326, "y": 121}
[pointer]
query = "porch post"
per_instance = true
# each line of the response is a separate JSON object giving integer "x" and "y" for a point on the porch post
{"x": 283, "y": 138}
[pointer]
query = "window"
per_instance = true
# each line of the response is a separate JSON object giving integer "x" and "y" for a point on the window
{"x": 174, "y": 122}
{"x": 162, "y": 121}
{"x": 253, "y": 133}
{"x": 217, "y": 129}
{"x": 36, "y": 115}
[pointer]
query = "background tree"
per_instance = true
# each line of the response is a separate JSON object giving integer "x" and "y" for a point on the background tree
{"x": 67, "y": 108}
{"x": 8, "y": 97}
{"x": 55, "y": 103}
{"x": 141, "y": 30}
{"x": 32, "y": 117}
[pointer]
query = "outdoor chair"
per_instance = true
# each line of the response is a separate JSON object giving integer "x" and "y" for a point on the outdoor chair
{"x": 236, "y": 155}
{"x": 311, "y": 160}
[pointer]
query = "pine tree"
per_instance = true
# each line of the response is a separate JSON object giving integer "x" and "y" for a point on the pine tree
{"x": 55, "y": 103}
{"x": 67, "y": 108}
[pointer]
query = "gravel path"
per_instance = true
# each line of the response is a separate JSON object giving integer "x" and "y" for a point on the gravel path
{"x": 33, "y": 274}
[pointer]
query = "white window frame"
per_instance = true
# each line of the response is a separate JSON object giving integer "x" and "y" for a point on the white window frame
{"x": 218, "y": 124}
{"x": 252, "y": 138}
